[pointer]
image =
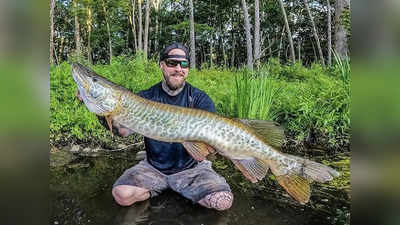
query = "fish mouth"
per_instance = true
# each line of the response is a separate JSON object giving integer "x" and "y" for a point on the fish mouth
{"x": 80, "y": 75}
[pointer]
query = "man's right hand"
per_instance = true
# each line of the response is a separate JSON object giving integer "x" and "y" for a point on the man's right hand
{"x": 120, "y": 130}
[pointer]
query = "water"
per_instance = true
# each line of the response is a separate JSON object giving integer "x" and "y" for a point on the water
{"x": 83, "y": 196}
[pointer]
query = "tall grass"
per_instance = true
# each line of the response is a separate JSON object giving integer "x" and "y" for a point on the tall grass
{"x": 342, "y": 65}
{"x": 254, "y": 96}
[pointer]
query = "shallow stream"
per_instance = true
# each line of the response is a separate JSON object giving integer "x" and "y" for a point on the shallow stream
{"x": 81, "y": 194}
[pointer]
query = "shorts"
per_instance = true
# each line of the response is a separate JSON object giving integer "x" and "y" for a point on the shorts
{"x": 194, "y": 183}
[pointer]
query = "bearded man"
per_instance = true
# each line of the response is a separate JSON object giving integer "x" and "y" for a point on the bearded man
{"x": 168, "y": 165}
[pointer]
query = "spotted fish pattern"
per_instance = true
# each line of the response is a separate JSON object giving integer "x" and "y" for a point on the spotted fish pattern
{"x": 250, "y": 153}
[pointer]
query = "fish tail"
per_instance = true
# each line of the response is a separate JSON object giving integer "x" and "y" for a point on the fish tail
{"x": 296, "y": 179}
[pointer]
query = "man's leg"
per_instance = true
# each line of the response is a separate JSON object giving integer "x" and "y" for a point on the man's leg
{"x": 221, "y": 200}
{"x": 126, "y": 195}
{"x": 138, "y": 183}
{"x": 203, "y": 185}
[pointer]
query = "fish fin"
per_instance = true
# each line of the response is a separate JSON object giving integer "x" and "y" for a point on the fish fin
{"x": 269, "y": 131}
{"x": 298, "y": 187}
{"x": 198, "y": 150}
{"x": 253, "y": 169}
{"x": 109, "y": 123}
{"x": 314, "y": 170}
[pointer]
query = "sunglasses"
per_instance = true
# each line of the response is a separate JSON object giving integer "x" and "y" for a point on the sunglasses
{"x": 173, "y": 63}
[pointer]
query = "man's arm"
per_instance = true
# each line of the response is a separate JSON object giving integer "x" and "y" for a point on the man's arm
{"x": 117, "y": 128}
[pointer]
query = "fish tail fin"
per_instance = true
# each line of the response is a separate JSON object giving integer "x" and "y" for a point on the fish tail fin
{"x": 314, "y": 170}
{"x": 296, "y": 179}
{"x": 298, "y": 187}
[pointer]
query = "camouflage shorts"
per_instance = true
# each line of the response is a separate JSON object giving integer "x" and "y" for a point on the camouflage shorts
{"x": 194, "y": 183}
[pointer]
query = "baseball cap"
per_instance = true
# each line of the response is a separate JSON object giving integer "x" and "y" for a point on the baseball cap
{"x": 164, "y": 52}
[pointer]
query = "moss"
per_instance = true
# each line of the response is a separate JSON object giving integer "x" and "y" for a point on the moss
{"x": 342, "y": 165}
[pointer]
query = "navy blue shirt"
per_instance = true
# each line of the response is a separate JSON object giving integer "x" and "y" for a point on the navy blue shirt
{"x": 168, "y": 157}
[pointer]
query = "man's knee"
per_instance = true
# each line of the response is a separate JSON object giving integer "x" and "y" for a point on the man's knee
{"x": 218, "y": 200}
{"x": 126, "y": 195}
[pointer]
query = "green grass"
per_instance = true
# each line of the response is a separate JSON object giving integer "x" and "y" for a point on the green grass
{"x": 306, "y": 101}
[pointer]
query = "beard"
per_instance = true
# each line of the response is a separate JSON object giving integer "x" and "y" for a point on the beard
{"x": 174, "y": 81}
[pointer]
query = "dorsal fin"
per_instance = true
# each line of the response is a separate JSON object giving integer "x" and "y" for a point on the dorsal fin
{"x": 269, "y": 131}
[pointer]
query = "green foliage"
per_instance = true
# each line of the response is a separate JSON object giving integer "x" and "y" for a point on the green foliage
{"x": 255, "y": 95}
{"x": 306, "y": 101}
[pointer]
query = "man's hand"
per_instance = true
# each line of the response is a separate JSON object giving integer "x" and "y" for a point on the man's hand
{"x": 117, "y": 128}
{"x": 122, "y": 131}
{"x": 77, "y": 95}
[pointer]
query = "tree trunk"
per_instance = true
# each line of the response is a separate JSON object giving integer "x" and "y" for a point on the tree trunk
{"x": 289, "y": 34}
{"x": 192, "y": 39}
{"x": 321, "y": 55}
{"x": 315, "y": 52}
{"x": 156, "y": 5}
{"x": 329, "y": 33}
{"x": 140, "y": 43}
{"x": 146, "y": 29}
{"x": 233, "y": 50}
{"x": 340, "y": 31}
{"x": 248, "y": 36}
{"x": 61, "y": 47}
{"x": 89, "y": 24}
{"x": 280, "y": 43}
{"x": 52, "y": 4}
{"x": 257, "y": 31}
{"x": 132, "y": 22}
{"x": 78, "y": 47}
{"x": 299, "y": 51}
{"x": 269, "y": 44}
{"x": 108, "y": 31}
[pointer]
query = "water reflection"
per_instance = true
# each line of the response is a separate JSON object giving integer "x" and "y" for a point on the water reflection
{"x": 169, "y": 209}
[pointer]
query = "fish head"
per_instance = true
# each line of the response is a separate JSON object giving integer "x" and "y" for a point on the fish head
{"x": 100, "y": 95}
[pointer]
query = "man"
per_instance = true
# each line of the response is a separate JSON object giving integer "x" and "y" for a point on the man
{"x": 168, "y": 165}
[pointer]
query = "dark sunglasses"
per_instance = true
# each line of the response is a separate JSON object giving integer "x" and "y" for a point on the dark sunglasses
{"x": 173, "y": 63}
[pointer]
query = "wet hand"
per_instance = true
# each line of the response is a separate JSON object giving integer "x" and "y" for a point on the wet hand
{"x": 122, "y": 131}
{"x": 77, "y": 95}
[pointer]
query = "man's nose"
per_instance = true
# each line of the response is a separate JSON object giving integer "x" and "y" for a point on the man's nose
{"x": 178, "y": 67}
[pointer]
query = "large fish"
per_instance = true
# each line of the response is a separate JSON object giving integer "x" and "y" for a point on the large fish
{"x": 249, "y": 144}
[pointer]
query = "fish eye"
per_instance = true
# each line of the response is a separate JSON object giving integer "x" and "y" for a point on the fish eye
{"x": 94, "y": 79}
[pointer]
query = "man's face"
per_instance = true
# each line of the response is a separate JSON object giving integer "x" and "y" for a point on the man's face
{"x": 174, "y": 76}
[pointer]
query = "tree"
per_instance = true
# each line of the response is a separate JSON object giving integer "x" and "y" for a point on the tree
{"x": 192, "y": 43}
{"x": 289, "y": 33}
{"x": 89, "y": 23}
{"x": 105, "y": 11}
{"x": 329, "y": 33}
{"x": 52, "y": 50}
{"x": 340, "y": 30}
{"x": 321, "y": 55}
{"x": 132, "y": 22}
{"x": 78, "y": 47}
{"x": 146, "y": 28}
{"x": 257, "y": 30}
{"x": 248, "y": 36}
{"x": 140, "y": 36}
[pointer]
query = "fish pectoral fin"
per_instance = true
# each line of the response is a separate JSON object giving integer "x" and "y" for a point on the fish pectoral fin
{"x": 253, "y": 169}
{"x": 298, "y": 187}
{"x": 269, "y": 131}
{"x": 109, "y": 123}
{"x": 198, "y": 150}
